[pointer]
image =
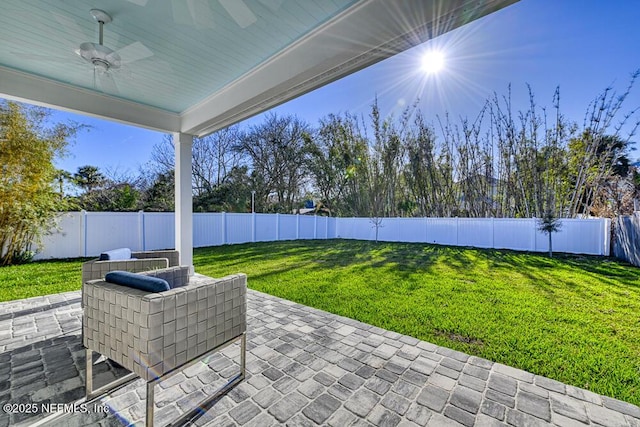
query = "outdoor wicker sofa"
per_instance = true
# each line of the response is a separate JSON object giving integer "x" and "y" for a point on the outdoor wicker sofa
{"x": 157, "y": 334}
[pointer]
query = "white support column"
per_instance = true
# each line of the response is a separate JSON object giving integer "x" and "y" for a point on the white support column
{"x": 184, "y": 198}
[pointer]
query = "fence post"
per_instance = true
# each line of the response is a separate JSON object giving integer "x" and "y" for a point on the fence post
{"x": 493, "y": 233}
{"x": 297, "y": 226}
{"x": 253, "y": 227}
{"x": 83, "y": 232}
{"x": 457, "y": 231}
{"x": 606, "y": 236}
{"x": 277, "y": 226}
{"x": 326, "y": 228}
{"x": 315, "y": 227}
{"x": 141, "y": 241}
{"x": 224, "y": 228}
{"x": 534, "y": 245}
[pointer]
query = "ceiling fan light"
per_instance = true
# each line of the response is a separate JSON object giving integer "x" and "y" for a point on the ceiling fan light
{"x": 100, "y": 66}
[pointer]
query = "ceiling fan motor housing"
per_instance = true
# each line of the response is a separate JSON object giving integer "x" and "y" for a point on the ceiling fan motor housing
{"x": 100, "y": 56}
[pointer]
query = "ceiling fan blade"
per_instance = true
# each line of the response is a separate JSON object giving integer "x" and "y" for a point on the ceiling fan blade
{"x": 201, "y": 13}
{"x": 106, "y": 83}
{"x": 134, "y": 52}
{"x": 139, "y": 2}
{"x": 196, "y": 13}
{"x": 239, "y": 12}
{"x": 274, "y": 5}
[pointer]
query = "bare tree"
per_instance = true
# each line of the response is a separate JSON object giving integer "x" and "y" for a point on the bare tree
{"x": 275, "y": 151}
{"x": 601, "y": 145}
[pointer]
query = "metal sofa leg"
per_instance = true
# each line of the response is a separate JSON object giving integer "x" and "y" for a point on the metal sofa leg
{"x": 88, "y": 380}
{"x": 243, "y": 356}
{"x": 201, "y": 407}
{"x": 150, "y": 402}
{"x": 90, "y": 393}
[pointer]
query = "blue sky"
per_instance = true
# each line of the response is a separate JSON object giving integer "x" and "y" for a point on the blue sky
{"x": 583, "y": 46}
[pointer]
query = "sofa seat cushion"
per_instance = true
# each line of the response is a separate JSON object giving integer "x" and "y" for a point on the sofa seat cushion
{"x": 116, "y": 254}
{"x": 137, "y": 281}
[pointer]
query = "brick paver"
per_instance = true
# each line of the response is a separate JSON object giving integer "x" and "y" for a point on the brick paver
{"x": 305, "y": 367}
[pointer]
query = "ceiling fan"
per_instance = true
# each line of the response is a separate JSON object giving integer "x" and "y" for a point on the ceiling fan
{"x": 103, "y": 60}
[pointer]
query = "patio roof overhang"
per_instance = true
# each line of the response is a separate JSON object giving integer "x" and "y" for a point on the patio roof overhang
{"x": 196, "y": 66}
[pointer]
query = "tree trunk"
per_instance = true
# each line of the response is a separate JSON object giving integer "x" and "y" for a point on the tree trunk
{"x": 550, "y": 249}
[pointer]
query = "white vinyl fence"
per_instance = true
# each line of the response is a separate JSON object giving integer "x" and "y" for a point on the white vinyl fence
{"x": 84, "y": 234}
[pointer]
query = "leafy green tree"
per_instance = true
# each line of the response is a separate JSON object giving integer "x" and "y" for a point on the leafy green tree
{"x": 106, "y": 194}
{"x": 29, "y": 197}
{"x": 63, "y": 179}
{"x": 159, "y": 195}
{"x": 89, "y": 178}
{"x": 123, "y": 197}
{"x": 234, "y": 195}
{"x": 333, "y": 154}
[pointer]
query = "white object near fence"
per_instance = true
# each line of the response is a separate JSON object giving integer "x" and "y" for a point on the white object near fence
{"x": 86, "y": 234}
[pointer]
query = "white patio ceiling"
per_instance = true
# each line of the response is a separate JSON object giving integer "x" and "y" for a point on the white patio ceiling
{"x": 195, "y": 66}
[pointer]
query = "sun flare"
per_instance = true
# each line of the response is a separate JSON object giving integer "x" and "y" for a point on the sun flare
{"x": 432, "y": 62}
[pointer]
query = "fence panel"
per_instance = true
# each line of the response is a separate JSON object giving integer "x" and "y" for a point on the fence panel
{"x": 476, "y": 232}
{"x": 266, "y": 227}
{"x": 388, "y": 229}
{"x": 307, "y": 227}
{"x": 287, "y": 226}
{"x": 239, "y": 228}
{"x": 66, "y": 240}
{"x": 442, "y": 231}
{"x": 412, "y": 230}
{"x": 355, "y": 228}
{"x": 108, "y": 230}
{"x": 159, "y": 231}
{"x": 512, "y": 233}
{"x": 579, "y": 236}
{"x": 207, "y": 229}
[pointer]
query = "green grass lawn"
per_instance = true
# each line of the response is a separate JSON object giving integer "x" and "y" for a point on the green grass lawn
{"x": 572, "y": 318}
{"x": 39, "y": 278}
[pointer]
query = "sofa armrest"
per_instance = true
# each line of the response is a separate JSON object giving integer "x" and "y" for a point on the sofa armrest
{"x": 153, "y": 333}
{"x": 172, "y": 256}
{"x": 176, "y": 276}
{"x": 95, "y": 269}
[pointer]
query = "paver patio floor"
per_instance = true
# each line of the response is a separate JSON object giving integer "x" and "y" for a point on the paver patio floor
{"x": 305, "y": 367}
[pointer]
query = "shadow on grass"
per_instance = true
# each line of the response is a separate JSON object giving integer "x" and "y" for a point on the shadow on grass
{"x": 551, "y": 274}
{"x": 405, "y": 258}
